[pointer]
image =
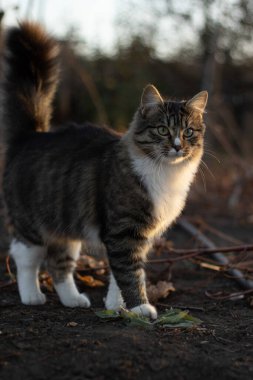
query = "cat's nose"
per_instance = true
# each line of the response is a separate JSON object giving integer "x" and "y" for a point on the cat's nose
{"x": 177, "y": 144}
{"x": 177, "y": 147}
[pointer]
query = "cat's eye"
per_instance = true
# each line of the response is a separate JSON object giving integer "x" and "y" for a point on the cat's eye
{"x": 188, "y": 133}
{"x": 163, "y": 131}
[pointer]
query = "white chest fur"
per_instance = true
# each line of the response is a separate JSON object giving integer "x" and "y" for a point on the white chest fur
{"x": 168, "y": 186}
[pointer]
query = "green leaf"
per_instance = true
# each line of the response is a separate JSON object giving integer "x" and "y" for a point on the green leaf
{"x": 179, "y": 325}
{"x": 177, "y": 318}
{"x": 107, "y": 314}
{"x": 173, "y": 318}
{"x": 134, "y": 319}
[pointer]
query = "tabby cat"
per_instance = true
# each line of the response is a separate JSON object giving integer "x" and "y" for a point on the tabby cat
{"x": 87, "y": 182}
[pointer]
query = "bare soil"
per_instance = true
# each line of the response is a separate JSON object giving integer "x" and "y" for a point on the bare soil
{"x": 41, "y": 343}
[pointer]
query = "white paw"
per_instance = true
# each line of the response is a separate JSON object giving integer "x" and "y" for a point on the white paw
{"x": 37, "y": 298}
{"x": 146, "y": 310}
{"x": 69, "y": 294}
{"x": 79, "y": 300}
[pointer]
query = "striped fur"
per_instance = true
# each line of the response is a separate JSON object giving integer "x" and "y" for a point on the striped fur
{"x": 87, "y": 182}
{"x": 31, "y": 71}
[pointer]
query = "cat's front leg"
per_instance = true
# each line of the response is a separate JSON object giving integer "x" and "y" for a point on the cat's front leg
{"x": 127, "y": 261}
{"x": 114, "y": 299}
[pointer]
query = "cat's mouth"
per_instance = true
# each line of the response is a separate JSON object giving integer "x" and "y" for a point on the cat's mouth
{"x": 175, "y": 156}
{"x": 175, "y": 153}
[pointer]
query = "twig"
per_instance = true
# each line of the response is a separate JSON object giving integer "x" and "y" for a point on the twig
{"x": 218, "y": 233}
{"x": 184, "y": 254}
{"x": 231, "y": 296}
{"x": 222, "y": 340}
{"x": 217, "y": 255}
{"x": 7, "y": 263}
{"x": 5, "y": 284}
{"x": 181, "y": 307}
{"x": 213, "y": 249}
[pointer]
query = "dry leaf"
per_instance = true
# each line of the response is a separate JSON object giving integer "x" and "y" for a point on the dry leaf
{"x": 161, "y": 290}
{"x": 90, "y": 281}
{"x": 11, "y": 275}
{"x": 87, "y": 261}
{"x": 46, "y": 281}
{"x": 72, "y": 324}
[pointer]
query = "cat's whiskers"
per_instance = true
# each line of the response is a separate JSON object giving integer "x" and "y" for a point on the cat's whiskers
{"x": 211, "y": 154}
{"x": 202, "y": 174}
{"x": 207, "y": 168}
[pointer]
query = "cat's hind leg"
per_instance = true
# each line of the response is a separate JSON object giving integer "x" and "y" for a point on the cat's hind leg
{"x": 61, "y": 260}
{"x": 28, "y": 259}
{"x": 114, "y": 299}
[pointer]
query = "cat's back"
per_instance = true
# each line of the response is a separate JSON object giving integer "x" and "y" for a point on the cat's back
{"x": 87, "y": 140}
{"x": 68, "y": 158}
{"x": 51, "y": 179}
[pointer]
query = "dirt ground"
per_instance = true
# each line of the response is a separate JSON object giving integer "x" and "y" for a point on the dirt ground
{"x": 41, "y": 343}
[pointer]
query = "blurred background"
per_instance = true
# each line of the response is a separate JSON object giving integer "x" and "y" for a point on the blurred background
{"x": 112, "y": 49}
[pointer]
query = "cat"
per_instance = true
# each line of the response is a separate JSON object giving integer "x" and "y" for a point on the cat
{"x": 87, "y": 182}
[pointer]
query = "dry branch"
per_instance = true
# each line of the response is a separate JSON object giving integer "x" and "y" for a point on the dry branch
{"x": 190, "y": 253}
{"x": 217, "y": 255}
{"x": 231, "y": 296}
{"x": 203, "y": 224}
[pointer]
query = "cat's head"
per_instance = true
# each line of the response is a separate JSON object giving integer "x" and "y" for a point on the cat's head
{"x": 170, "y": 130}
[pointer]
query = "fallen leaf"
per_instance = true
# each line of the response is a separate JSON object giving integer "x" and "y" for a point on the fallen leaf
{"x": 90, "y": 281}
{"x": 87, "y": 261}
{"x": 173, "y": 318}
{"x": 134, "y": 319}
{"x": 72, "y": 324}
{"x": 161, "y": 290}
{"x": 107, "y": 314}
{"x": 8, "y": 268}
{"x": 177, "y": 318}
{"x": 46, "y": 281}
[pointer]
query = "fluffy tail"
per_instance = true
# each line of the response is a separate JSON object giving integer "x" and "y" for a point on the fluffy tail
{"x": 30, "y": 76}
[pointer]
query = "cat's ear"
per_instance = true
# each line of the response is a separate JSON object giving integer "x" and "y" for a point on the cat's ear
{"x": 150, "y": 97}
{"x": 198, "y": 102}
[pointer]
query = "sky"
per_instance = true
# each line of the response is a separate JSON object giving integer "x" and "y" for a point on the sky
{"x": 93, "y": 20}
{"x": 101, "y": 24}
{"x": 97, "y": 22}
